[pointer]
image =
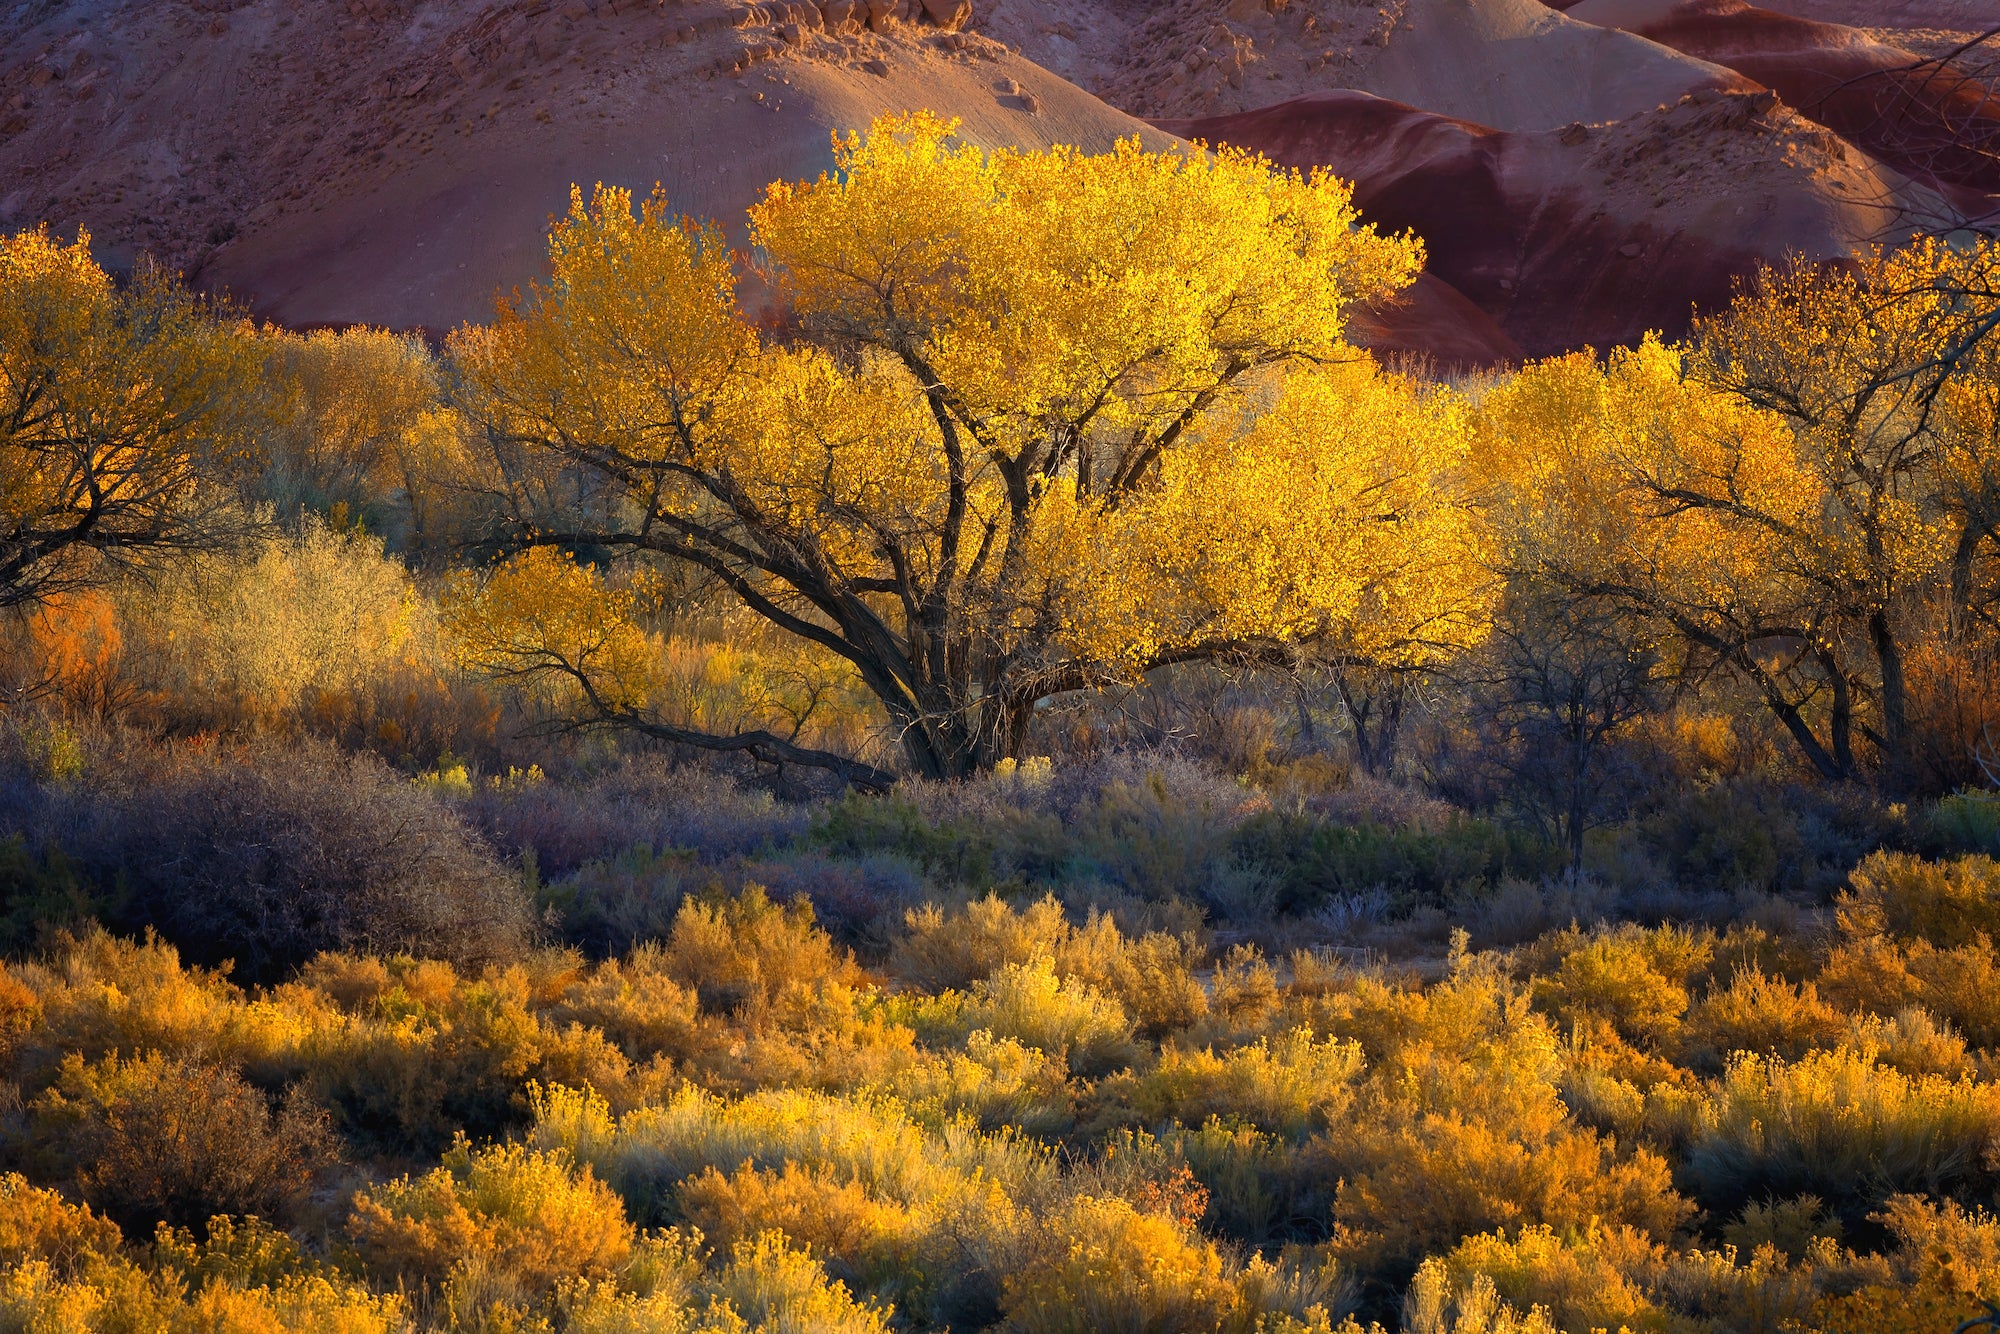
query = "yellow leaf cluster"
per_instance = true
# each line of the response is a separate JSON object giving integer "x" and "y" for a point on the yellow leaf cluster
{"x": 542, "y": 617}
{"x": 1071, "y": 415}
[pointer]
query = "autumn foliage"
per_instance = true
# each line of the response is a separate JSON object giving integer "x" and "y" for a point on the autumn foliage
{"x": 976, "y": 765}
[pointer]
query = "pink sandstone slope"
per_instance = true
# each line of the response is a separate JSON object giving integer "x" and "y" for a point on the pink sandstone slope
{"x": 1935, "y": 124}
{"x": 1591, "y": 234}
{"x": 1513, "y": 64}
{"x": 396, "y": 161}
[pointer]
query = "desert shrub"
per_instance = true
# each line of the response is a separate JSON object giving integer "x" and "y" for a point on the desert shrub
{"x": 964, "y": 1192}
{"x": 1617, "y": 1278}
{"x": 861, "y": 902}
{"x": 1154, "y": 828}
{"x": 426, "y": 1054}
{"x": 268, "y": 854}
{"x": 1291, "y": 1085}
{"x": 942, "y": 950}
{"x": 1161, "y": 840}
{"x": 1152, "y": 975}
{"x": 1626, "y": 979}
{"x": 1312, "y": 860}
{"x": 292, "y": 615}
{"x": 1101, "y": 1265}
{"x": 1070, "y": 1019}
{"x": 1757, "y": 1013}
{"x": 609, "y": 905}
{"x": 1960, "y": 986}
{"x": 997, "y": 1081}
{"x": 1945, "y": 903}
{"x": 956, "y": 853}
{"x": 1840, "y": 1125}
{"x": 168, "y": 1139}
{"x": 1942, "y": 1270}
{"x": 604, "y": 810}
{"x": 638, "y": 1006}
{"x": 1421, "y": 1182}
{"x": 115, "y": 1294}
{"x": 776, "y": 1289}
{"x": 40, "y": 1225}
{"x": 863, "y": 1241}
{"x": 43, "y": 892}
{"x": 1964, "y": 822}
{"x": 528, "y": 1215}
{"x": 1243, "y": 989}
{"x": 1435, "y": 1305}
{"x": 1730, "y": 835}
{"x": 1586, "y": 1280}
{"x": 1260, "y": 1187}
{"x": 1911, "y": 1041}
{"x": 95, "y": 995}
{"x": 1794, "y": 1228}
{"x": 1461, "y": 1128}
{"x": 646, "y": 1153}
{"x": 744, "y": 954}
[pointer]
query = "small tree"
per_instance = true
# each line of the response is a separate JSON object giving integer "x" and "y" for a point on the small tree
{"x": 1040, "y": 422}
{"x": 1561, "y": 677}
{"x": 1796, "y": 496}
{"x": 120, "y": 411}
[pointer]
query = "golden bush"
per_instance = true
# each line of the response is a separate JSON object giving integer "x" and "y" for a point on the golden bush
{"x": 529, "y": 1214}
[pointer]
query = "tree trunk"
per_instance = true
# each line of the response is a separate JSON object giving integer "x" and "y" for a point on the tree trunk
{"x": 1895, "y": 704}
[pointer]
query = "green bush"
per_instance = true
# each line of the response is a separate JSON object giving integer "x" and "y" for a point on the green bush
{"x": 1963, "y": 822}
{"x": 1312, "y": 861}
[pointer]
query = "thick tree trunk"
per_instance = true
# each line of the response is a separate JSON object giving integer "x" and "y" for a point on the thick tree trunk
{"x": 1895, "y": 704}
{"x": 966, "y": 729}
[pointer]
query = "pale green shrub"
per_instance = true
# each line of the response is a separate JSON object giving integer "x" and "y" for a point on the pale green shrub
{"x": 1070, "y": 1019}
{"x": 1841, "y": 1125}
{"x": 1946, "y": 903}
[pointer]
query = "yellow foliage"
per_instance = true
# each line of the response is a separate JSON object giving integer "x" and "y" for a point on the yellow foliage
{"x": 1070, "y": 1019}
{"x": 1290, "y": 1085}
{"x": 1945, "y": 903}
{"x": 867, "y": 1241}
{"x": 265, "y": 630}
{"x": 1103, "y": 1266}
{"x": 528, "y": 1214}
{"x": 41, "y": 1225}
{"x": 552, "y": 625}
{"x": 1842, "y": 1126}
{"x": 124, "y": 411}
{"x": 1071, "y": 415}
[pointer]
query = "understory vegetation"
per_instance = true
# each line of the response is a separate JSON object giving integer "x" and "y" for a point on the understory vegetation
{"x": 1040, "y": 792}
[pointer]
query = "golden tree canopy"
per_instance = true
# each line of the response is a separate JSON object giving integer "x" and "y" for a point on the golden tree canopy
{"x": 118, "y": 410}
{"x": 1031, "y": 422}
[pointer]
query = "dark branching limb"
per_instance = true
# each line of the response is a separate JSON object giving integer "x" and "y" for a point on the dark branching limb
{"x": 760, "y": 745}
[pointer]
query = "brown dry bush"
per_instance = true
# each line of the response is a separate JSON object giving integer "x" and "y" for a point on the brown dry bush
{"x": 166, "y": 1139}
{"x": 268, "y": 854}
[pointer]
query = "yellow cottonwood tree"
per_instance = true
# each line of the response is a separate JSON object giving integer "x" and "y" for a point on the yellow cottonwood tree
{"x": 119, "y": 411}
{"x": 1036, "y": 422}
{"x": 1793, "y": 495}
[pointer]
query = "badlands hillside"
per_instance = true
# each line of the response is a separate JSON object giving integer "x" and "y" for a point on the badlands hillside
{"x": 1579, "y": 176}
